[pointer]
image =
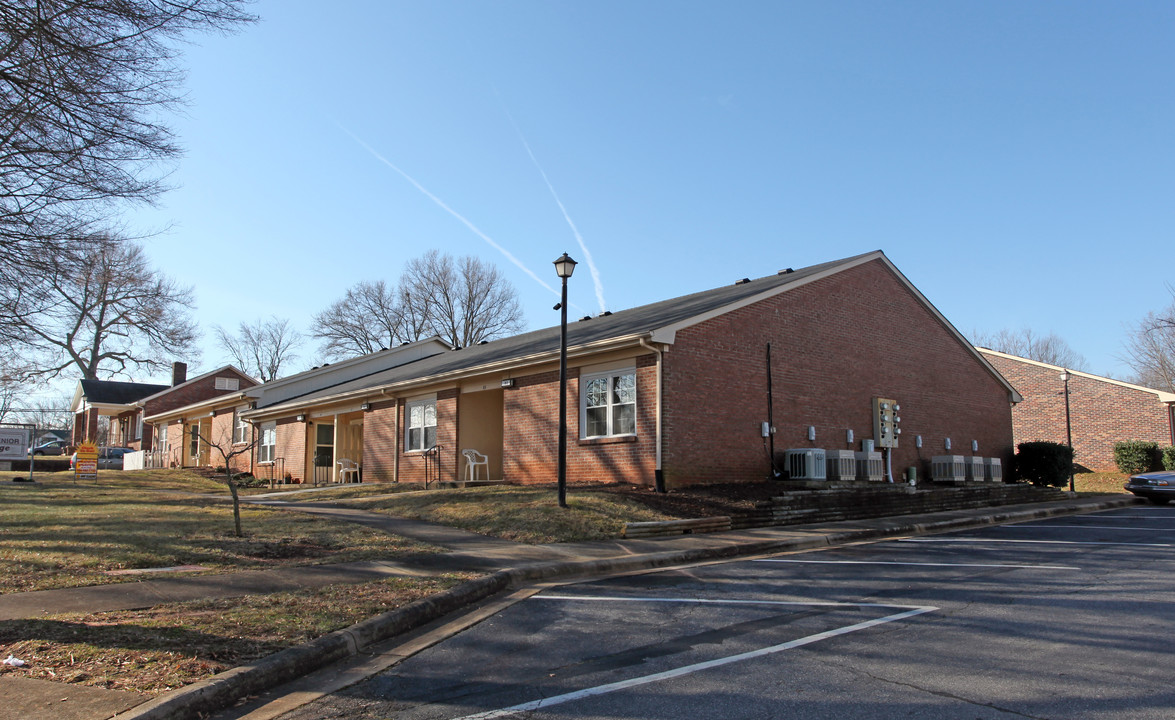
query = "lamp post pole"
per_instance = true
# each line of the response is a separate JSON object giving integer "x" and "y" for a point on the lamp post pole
{"x": 1068, "y": 425}
{"x": 564, "y": 266}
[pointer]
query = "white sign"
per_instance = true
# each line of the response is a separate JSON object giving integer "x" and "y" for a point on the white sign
{"x": 14, "y": 443}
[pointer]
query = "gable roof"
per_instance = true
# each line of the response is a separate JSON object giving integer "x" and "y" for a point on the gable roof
{"x": 227, "y": 368}
{"x": 112, "y": 392}
{"x": 656, "y": 322}
{"x": 1163, "y": 396}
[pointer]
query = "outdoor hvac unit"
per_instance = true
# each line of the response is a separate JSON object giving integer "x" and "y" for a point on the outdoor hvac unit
{"x": 948, "y": 468}
{"x": 869, "y": 466}
{"x": 805, "y": 464}
{"x": 841, "y": 465}
{"x": 975, "y": 469}
{"x": 993, "y": 469}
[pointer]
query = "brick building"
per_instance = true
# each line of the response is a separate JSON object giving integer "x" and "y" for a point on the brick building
{"x": 1102, "y": 411}
{"x": 677, "y": 390}
{"x": 128, "y": 404}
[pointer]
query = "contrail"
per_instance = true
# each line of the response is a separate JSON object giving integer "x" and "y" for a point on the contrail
{"x": 451, "y": 211}
{"x": 578, "y": 238}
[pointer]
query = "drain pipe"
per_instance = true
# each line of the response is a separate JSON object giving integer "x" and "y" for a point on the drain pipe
{"x": 396, "y": 443}
{"x": 658, "y": 475}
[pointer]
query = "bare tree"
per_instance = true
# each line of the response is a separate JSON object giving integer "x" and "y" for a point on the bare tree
{"x": 1150, "y": 349}
{"x": 463, "y": 301}
{"x": 367, "y": 318}
{"x": 82, "y": 83}
{"x": 228, "y": 451}
{"x": 263, "y": 347}
{"x": 1049, "y": 348}
{"x": 104, "y": 312}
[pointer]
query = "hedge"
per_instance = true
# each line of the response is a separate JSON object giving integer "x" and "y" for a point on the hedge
{"x": 1044, "y": 463}
{"x": 1169, "y": 457}
{"x": 1136, "y": 456}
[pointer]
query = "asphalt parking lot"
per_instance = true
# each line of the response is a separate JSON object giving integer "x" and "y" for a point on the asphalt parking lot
{"x": 1064, "y": 618}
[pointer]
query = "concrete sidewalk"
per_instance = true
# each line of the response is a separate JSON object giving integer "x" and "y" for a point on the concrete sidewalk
{"x": 509, "y": 564}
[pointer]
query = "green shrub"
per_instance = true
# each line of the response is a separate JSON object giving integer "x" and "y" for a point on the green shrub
{"x": 1169, "y": 457}
{"x": 1044, "y": 463}
{"x": 1136, "y": 456}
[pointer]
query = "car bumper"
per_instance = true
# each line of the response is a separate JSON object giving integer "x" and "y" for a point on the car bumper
{"x": 1149, "y": 490}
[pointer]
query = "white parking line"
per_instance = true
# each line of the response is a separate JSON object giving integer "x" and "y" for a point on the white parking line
{"x": 711, "y": 601}
{"x": 696, "y": 667}
{"x": 918, "y": 564}
{"x": 1037, "y": 542}
{"x": 1078, "y": 527}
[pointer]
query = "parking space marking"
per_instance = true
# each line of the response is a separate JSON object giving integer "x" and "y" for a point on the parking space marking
{"x": 711, "y": 601}
{"x": 1075, "y": 527}
{"x": 697, "y": 667}
{"x": 1035, "y": 542}
{"x": 917, "y": 564}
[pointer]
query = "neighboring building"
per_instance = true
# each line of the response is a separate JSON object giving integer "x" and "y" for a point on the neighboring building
{"x": 676, "y": 390}
{"x": 128, "y": 403}
{"x": 204, "y": 433}
{"x": 1102, "y": 411}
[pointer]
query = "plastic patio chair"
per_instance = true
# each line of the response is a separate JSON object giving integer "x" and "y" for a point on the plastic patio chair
{"x": 474, "y": 460}
{"x": 348, "y": 467}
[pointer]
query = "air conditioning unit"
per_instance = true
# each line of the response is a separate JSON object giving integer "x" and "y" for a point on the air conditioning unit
{"x": 993, "y": 469}
{"x": 805, "y": 464}
{"x": 841, "y": 465}
{"x": 975, "y": 470}
{"x": 948, "y": 468}
{"x": 869, "y": 466}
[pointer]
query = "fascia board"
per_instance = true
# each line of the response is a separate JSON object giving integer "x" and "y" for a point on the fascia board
{"x": 1164, "y": 397}
{"x": 212, "y": 404}
{"x": 453, "y": 376}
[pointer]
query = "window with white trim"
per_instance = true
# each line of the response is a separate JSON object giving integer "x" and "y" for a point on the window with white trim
{"x": 161, "y": 436}
{"x": 607, "y": 404}
{"x": 139, "y": 427}
{"x": 240, "y": 428}
{"x": 268, "y": 445}
{"x": 420, "y": 422}
{"x": 224, "y": 383}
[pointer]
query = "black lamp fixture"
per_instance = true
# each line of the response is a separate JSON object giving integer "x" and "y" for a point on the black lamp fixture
{"x": 1068, "y": 425}
{"x": 564, "y": 266}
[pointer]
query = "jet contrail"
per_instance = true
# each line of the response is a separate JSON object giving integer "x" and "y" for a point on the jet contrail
{"x": 587, "y": 255}
{"x": 451, "y": 211}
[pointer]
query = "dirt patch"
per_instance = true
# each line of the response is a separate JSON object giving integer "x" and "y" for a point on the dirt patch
{"x": 696, "y": 502}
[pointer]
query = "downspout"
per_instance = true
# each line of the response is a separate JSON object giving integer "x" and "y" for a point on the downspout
{"x": 658, "y": 475}
{"x": 396, "y": 444}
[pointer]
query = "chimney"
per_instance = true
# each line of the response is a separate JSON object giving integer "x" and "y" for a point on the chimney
{"x": 179, "y": 373}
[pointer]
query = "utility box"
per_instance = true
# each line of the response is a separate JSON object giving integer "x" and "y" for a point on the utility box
{"x": 948, "y": 469}
{"x": 993, "y": 469}
{"x": 870, "y": 466}
{"x": 841, "y": 465}
{"x": 975, "y": 469}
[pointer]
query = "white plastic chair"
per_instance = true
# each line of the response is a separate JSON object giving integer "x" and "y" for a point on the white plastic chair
{"x": 348, "y": 467}
{"x": 473, "y": 460}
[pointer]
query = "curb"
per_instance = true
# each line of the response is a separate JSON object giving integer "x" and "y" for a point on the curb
{"x": 223, "y": 690}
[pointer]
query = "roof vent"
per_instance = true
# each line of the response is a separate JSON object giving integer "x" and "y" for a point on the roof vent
{"x": 483, "y": 342}
{"x": 786, "y": 271}
{"x": 606, "y": 313}
{"x": 744, "y": 281}
{"x": 383, "y": 349}
{"x": 405, "y": 343}
{"x": 585, "y": 317}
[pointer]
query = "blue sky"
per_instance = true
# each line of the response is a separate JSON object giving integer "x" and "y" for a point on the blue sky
{"x": 1014, "y": 160}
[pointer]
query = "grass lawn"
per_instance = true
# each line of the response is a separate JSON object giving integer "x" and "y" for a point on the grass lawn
{"x": 1099, "y": 483}
{"x": 58, "y": 533}
{"x": 527, "y": 514}
{"x": 169, "y": 646}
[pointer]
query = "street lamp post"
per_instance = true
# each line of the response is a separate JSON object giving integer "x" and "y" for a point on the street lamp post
{"x": 1068, "y": 425}
{"x": 564, "y": 266}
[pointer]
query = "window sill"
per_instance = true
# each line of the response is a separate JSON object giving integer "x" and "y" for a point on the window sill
{"x": 609, "y": 440}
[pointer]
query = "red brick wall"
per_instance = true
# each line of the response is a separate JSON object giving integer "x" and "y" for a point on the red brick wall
{"x": 836, "y": 344}
{"x": 443, "y": 466}
{"x": 198, "y": 390}
{"x": 530, "y": 452}
{"x": 1101, "y": 413}
{"x": 290, "y": 451}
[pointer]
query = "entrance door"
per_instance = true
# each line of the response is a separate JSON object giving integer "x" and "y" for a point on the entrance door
{"x": 324, "y": 453}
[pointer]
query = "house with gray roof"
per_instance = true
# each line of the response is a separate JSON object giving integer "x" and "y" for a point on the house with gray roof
{"x": 709, "y": 387}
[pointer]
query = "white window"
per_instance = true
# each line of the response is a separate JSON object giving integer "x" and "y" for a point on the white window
{"x": 265, "y": 450}
{"x": 240, "y": 428}
{"x": 608, "y": 404}
{"x": 223, "y": 383}
{"x": 421, "y": 425}
{"x": 161, "y": 437}
{"x": 138, "y": 427}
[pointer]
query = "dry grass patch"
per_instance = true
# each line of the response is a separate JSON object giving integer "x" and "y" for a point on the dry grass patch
{"x": 58, "y": 534}
{"x": 1099, "y": 483}
{"x": 169, "y": 646}
{"x": 528, "y": 514}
